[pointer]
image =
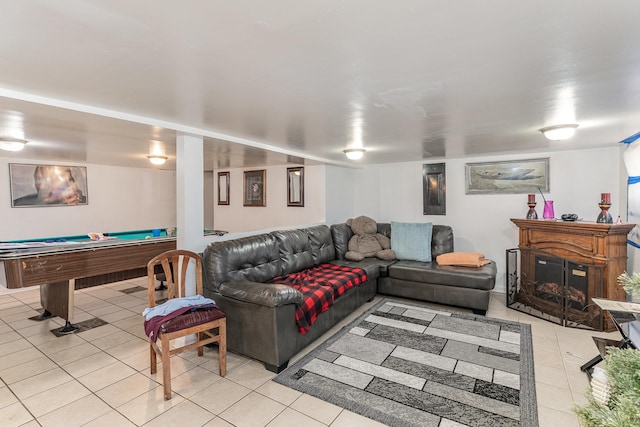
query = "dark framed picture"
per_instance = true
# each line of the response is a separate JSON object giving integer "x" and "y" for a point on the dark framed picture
{"x": 513, "y": 176}
{"x": 295, "y": 186}
{"x": 255, "y": 188}
{"x": 47, "y": 185}
{"x": 434, "y": 188}
{"x": 223, "y": 188}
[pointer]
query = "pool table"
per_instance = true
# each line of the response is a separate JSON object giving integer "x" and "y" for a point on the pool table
{"x": 62, "y": 264}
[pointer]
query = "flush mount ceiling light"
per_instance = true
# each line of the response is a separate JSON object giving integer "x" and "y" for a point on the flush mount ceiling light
{"x": 12, "y": 144}
{"x": 157, "y": 160}
{"x": 354, "y": 153}
{"x": 559, "y": 132}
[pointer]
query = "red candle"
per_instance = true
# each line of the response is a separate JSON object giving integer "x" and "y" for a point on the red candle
{"x": 532, "y": 198}
{"x": 605, "y": 198}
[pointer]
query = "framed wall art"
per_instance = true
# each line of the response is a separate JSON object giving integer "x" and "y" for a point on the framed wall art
{"x": 295, "y": 186}
{"x": 513, "y": 176}
{"x": 434, "y": 200}
{"x": 255, "y": 188}
{"x": 223, "y": 188}
{"x": 47, "y": 185}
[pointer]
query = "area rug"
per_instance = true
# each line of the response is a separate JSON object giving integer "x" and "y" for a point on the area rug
{"x": 405, "y": 365}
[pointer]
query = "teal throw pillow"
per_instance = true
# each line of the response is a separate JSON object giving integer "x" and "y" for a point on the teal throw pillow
{"x": 412, "y": 241}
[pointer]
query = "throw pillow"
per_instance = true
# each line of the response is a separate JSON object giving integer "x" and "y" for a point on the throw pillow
{"x": 412, "y": 241}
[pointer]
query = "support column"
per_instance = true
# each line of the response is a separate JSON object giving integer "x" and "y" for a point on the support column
{"x": 189, "y": 191}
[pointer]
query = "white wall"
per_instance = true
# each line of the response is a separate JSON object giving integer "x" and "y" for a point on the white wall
{"x": 122, "y": 198}
{"x": 119, "y": 199}
{"x": 141, "y": 198}
{"x": 340, "y": 193}
{"x": 238, "y": 218}
{"x": 481, "y": 222}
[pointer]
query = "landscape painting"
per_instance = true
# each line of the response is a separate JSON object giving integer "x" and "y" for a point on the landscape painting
{"x": 514, "y": 176}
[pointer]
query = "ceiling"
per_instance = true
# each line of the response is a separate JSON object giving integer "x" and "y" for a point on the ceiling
{"x": 298, "y": 81}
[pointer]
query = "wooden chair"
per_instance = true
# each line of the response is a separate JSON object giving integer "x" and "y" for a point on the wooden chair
{"x": 175, "y": 264}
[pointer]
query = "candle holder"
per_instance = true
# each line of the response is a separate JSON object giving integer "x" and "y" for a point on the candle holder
{"x": 532, "y": 214}
{"x": 604, "y": 217}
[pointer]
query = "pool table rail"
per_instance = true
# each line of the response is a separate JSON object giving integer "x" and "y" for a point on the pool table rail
{"x": 37, "y": 266}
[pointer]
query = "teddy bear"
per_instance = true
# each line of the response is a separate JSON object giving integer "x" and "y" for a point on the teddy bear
{"x": 367, "y": 242}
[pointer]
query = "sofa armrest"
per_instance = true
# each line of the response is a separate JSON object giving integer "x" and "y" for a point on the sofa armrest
{"x": 267, "y": 294}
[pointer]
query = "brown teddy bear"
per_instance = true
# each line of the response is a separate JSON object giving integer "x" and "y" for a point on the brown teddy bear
{"x": 367, "y": 242}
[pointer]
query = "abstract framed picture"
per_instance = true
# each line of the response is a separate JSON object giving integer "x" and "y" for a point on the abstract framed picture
{"x": 223, "y": 188}
{"x": 295, "y": 186}
{"x": 47, "y": 185}
{"x": 507, "y": 177}
{"x": 255, "y": 188}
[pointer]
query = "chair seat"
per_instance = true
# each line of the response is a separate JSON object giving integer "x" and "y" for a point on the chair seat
{"x": 190, "y": 319}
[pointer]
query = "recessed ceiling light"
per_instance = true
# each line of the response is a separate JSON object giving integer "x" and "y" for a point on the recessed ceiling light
{"x": 12, "y": 144}
{"x": 354, "y": 153}
{"x": 157, "y": 160}
{"x": 559, "y": 132}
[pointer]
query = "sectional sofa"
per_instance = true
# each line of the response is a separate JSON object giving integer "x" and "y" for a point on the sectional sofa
{"x": 261, "y": 315}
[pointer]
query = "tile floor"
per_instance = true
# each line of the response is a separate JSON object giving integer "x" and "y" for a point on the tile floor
{"x": 100, "y": 377}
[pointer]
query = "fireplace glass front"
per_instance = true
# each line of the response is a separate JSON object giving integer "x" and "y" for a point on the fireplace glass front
{"x": 554, "y": 289}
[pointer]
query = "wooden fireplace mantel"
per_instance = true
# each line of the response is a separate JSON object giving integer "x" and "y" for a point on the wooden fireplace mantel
{"x": 580, "y": 242}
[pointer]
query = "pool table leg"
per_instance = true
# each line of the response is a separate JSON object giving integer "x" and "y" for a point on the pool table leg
{"x": 58, "y": 299}
{"x": 68, "y": 328}
{"x": 46, "y": 314}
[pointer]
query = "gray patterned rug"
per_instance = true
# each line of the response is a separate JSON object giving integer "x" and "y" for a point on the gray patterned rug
{"x": 405, "y": 365}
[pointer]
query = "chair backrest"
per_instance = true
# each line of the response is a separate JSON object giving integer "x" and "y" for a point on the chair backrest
{"x": 175, "y": 265}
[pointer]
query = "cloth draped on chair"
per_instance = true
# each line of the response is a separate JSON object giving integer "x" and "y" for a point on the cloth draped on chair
{"x": 159, "y": 316}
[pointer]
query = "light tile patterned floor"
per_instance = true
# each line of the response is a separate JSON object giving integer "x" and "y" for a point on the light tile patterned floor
{"x": 100, "y": 377}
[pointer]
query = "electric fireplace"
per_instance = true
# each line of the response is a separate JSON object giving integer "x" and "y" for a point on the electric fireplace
{"x": 558, "y": 267}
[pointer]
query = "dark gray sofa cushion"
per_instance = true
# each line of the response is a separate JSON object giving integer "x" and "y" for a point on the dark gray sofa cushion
{"x": 295, "y": 251}
{"x": 441, "y": 240}
{"x": 341, "y": 233}
{"x": 372, "y": 266}
{"x": 430, "y": 272}
{"x": 247, "y": 259}
{"x": 322, "y": 247}
{"x": 384, "y": 229}
{"x": 267, "y": 294}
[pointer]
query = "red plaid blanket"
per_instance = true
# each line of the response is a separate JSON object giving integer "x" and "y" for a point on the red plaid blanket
{"x": 320, "y": 286}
